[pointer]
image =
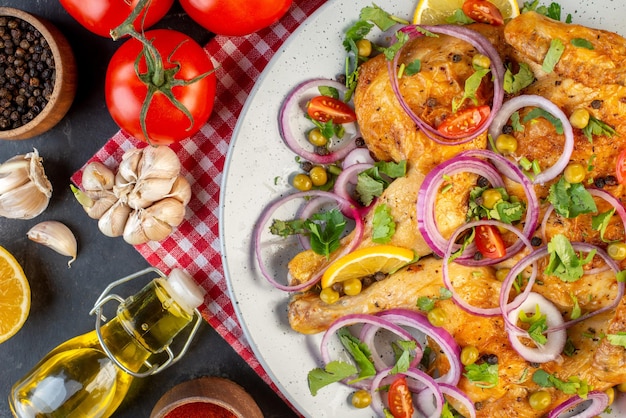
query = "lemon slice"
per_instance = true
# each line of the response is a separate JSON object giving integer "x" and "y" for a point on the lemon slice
{"x": 435, "y": 12}
{"x": 14, "y": 296}
{"x": 365, "y": 262}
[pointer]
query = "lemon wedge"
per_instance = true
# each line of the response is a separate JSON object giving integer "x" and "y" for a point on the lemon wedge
{"x": 14, "y": 296}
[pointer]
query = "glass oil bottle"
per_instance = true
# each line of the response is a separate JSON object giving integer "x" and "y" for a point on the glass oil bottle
{"x": 89, "y": 375}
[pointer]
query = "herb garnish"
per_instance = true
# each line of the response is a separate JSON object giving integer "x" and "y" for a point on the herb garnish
{"x": 570, "y": 200}
{"x": 573, "y": 386}
{"x": 372, "y": 182}
{"x": 383, "y": 225}
{"x": 553, "y": 55}
{"x": 483, "y": 375}
{"x": 597, "y": 127}
{"x": 564, "y": 262}
{"x": 514, "y": 83}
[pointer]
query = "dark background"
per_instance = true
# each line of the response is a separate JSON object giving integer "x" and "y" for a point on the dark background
{"x": 62, "y": 297}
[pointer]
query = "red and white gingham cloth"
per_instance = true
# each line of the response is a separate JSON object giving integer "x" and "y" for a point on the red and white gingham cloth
{"x": 194, "y": 246}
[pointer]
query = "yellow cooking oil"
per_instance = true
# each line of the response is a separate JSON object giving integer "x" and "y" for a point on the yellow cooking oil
{"x": 79, "y": 379}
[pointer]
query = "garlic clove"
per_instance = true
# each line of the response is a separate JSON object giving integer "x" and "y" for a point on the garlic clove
{"x": 158, "y": 162}
{"x": 23, "y": 202}
{"x": 153, "y": 228}
{"x": 128, "y": 166}
{"x": 133, "y": 230}
{"x": 57, "y": 236}
{"x": 113, "y": 221}
{"x": 181, "y": 190}
{"x": 97, "y": 176}
{"x": 13, "y": 173}
{"x": 37, "y": 174}
{"x": 149, "y": 190}
{"x": 168, "y": 210}
{"x": 102, "y": 200}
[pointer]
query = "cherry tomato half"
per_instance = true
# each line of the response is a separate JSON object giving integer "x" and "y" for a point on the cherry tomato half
{"x": 620, "y": 167}
{"x": 235, "y": 17}
{"x": 489, "y": 241}
{"x": 483, "y": 11}
{"x": 399, "y": 398}
{"x": 324, "y": 108}
{"x": 165, "y": 123}
{"x": 464, "y": 122}
{"x": 100, "y": 16}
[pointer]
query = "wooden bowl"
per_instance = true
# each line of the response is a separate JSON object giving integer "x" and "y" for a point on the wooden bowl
{"x": 221, "y": 394}
{"x": 64, "y": 83}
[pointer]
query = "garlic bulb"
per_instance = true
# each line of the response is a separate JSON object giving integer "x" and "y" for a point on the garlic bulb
{"x": 57, "y": 236}
{"x": 24, "y": 188}
{"x": 143, "y": 201}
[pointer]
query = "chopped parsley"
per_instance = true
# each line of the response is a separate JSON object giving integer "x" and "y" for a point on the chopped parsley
{"x": 383, "y": 225}
{"x": 618, "y": 338}
{"x": 426, "y": 304}
{"x": 573, "y": 386}
{"x": 570, "y": 200}
{"x": 508, "y": 209}
{"x": 483, "y": 375}
{"x": 324, "y": 230}
{"x": 601, "y": 221}
{"x": 553, "y": 55}
{"x": 471, "y": 87}
{"x": 335, "y": 371}
{"x": 553, "y": 11}
{"x": 372, "y": 182}
{"x": 564, "y": 262}
{"x": 581, "y": 43}
{"x": 514, "y": 83}
{"x": 540, "y": 113}
{"x": 537, "y": 325}
{"x": 597, "y": 127}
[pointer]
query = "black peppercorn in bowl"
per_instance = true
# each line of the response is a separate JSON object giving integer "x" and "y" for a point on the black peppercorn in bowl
{"x": 37, "y": 75}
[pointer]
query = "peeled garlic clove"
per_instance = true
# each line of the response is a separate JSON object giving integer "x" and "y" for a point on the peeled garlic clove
{"x": 154, "y": 229}
{"x": 128, "y": 166}
{"x": 57, "y": 236}
{"x": 24, "y": 202}
{"x": 149, "y": 190}
{"x": 181, "y": 190}
{"x": 133, "y": 230}
{"x": 113, "y": 221}
{"x": 168, "y": 210}
{"x": 97, "y": 176}
{"x": 158, "y": 162}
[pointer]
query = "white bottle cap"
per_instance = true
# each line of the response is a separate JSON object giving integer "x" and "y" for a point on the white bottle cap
{"x": 187, "y": 293}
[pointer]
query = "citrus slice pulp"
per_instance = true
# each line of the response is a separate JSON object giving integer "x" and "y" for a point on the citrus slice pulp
{"x": 14, "y": 296}
{"x": 366, "y": 262}
{"x": 435, "y": 12}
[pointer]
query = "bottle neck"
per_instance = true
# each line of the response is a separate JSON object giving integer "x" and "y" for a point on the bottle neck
{"x": 146, "y": 324}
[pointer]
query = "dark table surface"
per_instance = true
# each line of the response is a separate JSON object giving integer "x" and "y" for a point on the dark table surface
{"x": 62, "y": 297}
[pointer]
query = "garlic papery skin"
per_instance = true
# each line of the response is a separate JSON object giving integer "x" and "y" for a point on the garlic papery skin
{"x": 168, "y": 210}
{"x": 181, "y": 190}
{"x": 133, "y": 230}
{"x": 97, "y": 176}
{"x": 55, "y": 235}
{"x": 113, "y": 221}
{"x": 128, "y": 166}
{"x": 159, "y": 162}
{"x": 153, "y": 228}
{"x": 25, "y": 189}
{"x": 147, "y": 191}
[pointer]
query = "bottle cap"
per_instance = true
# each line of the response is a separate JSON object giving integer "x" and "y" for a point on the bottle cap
{"x": 185, "y": 290}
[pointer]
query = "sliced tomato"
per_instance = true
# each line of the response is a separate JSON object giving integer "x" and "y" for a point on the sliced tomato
{"x": 464, "y": 122}
{"x": 483, "y": 11}
{"x": 400, "y": 400}
{"x": 324, "y": 108}
{"x": 489, "y": 241}
{"x": 620, "y": 167}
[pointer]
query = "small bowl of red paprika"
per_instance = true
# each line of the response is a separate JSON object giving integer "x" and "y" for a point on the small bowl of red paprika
{"x": 206, "y": 397}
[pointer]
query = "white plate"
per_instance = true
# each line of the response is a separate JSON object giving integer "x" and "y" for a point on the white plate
{"x": 257, "y": 157}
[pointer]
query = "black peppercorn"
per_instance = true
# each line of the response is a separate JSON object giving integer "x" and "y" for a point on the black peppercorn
{"x": 26, "y": 74}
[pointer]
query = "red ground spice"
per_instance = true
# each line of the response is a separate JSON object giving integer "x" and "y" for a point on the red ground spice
{"x": 200, "y": 410}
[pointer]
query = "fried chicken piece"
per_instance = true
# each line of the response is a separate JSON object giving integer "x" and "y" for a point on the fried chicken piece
{"x": 531, "y": 34}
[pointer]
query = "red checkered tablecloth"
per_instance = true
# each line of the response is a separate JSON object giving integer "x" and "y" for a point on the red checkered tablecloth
{"x": 195, "y": 245}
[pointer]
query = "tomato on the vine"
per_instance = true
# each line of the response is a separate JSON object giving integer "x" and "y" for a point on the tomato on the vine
{"x": 489, "y": 241}
{"x": 483, "y": 11}
{"x": 100, "y": 16}
{"x": 324, "y": 108}
{"x": 175, "y": 106}
{"x": 235, "y": 18}
{"x": 464, "y": 122}
{"x": 399, "y": 399}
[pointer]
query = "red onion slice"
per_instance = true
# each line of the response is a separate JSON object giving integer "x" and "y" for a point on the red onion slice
{"x": 484, "y": 47}
{"x": 293, "y": 124}
{"x": 598, "y": 401}
{"x": 345, "y": 182}
{"x": 527, "y": 100}
{"x": 427, "y": 195}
